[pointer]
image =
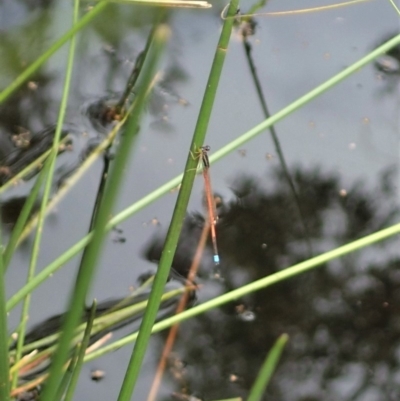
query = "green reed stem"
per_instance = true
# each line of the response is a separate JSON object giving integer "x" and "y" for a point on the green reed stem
{"x": 47, "y": 190}
{"x": 174, "y": 230}
{"x": 4, "y": 364}
{"x": 82, "y": 349}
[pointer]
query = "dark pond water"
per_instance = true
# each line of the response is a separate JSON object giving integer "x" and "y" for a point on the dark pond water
{"x": 341, "y": 150}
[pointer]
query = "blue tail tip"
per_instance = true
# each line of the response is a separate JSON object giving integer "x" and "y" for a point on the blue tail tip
{"x": 216, "y": 259}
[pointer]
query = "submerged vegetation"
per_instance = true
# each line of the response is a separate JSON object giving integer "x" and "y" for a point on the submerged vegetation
{"x": 329, "y": 320}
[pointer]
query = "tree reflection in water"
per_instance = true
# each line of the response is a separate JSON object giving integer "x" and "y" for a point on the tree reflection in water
{"x": 342, "y": 318}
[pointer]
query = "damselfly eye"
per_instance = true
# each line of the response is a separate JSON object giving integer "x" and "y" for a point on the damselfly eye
{"x": 206, "y": 148}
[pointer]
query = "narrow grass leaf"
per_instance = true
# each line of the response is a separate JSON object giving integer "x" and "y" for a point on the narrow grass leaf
{"x": 165, "y": 3}
{"x": 67, "y": 376}
{"x": 82, "y": 349}
{"x": 256, "y": 286}
{"x": 4, "y": 367}
{"x": 231, "y": 399}
{"x": 268, "y": 368}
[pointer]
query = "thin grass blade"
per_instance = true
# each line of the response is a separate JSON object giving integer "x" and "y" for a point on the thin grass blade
{"x": 165, "y": 3}
{"x": 46, "y": 193}
{"x": 82, "y": 349}
{"x": 256, "y": 285}
{"x": 4, "y": 367}
{"x": 268, "y": 368}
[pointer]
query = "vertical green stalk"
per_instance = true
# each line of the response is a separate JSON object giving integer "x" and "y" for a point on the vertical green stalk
{"x": 46, "y": 193}
{"x": 4, "y": 367}
{"x": 92, "y": 252}
{"x": 7, "y": 257}
{"x": 84, "y": 344}
{"x": 140, "y": 347}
